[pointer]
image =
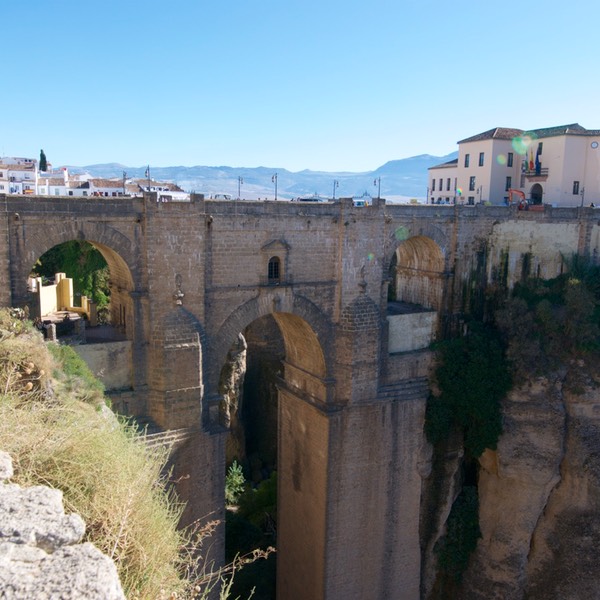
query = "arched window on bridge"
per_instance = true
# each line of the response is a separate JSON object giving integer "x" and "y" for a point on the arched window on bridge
{"x": 274, "y": 272}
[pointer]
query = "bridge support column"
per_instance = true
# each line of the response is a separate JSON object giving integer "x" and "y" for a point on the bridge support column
{"x": 349, "y": 499}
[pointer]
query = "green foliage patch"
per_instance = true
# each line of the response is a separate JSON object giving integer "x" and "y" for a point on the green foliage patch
{"x": 83, "y": 263}
{"x": 547, "y": 324}
{"x": 462, "y": 532}
{"x": 473, "y": 377}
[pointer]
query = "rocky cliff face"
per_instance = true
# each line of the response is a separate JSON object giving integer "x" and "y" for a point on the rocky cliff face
{"x": 539, "y": 496}
{"x": 40, "y": 556}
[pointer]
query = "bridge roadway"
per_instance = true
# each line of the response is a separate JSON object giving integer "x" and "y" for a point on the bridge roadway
{"x": 187, "y": 278}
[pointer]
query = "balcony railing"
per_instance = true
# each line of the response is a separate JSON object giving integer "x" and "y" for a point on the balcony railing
{"x": 542, "y": 172}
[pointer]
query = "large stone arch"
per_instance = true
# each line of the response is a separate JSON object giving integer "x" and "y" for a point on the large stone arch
{"x": 293, "y": 313}
{"x": 303, "y": 429}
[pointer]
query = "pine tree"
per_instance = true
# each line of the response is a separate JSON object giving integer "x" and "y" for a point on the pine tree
{"x": 43, "y": 161}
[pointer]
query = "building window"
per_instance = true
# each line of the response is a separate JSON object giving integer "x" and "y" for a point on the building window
{"x": 84, "y": 193}
{"x": 509, "y": 161}
{"x": 481, "y": 158}
{"x": 471, "y": 200}
{"x": 448, "y": 184}
{"x": 433, "y": 185}
{"x": 508, "y": 184}
{"x": 467, "y": 156}
{"x": 441, "y": 184}
{"x": 540, "y": 147}
{"x": 274, "y": 270}
{"x": 472, "y": 183}
{"x": 575, "y": 188}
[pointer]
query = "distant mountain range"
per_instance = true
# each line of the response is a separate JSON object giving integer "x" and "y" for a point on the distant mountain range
{"x": 400, "y": 179}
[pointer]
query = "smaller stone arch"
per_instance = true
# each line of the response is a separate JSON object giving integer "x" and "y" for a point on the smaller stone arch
{"x": 418, "y": 272}
{"x": 536, "y": 193}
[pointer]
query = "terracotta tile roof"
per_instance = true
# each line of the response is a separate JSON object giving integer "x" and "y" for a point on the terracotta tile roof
{"x": 28, "y": 167}
{"x": 498, "y": 133}
{"x": 107, "y": 183}
{"x": 51, "y": 181}
{"x": 446, "y": 165}
{"x": 572, "y": 129}
{"x": 503, "y": 133}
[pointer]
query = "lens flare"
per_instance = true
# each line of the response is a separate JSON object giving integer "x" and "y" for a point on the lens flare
{"x": 370, "y": 256}
{"x": 501, "y": 159}
{"x": 401, "y": 233}
{"x": 459, "y": 192}
{"x": 521, "y": 143}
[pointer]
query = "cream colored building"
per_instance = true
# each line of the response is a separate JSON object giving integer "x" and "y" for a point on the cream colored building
{"x": 555, "y": 165}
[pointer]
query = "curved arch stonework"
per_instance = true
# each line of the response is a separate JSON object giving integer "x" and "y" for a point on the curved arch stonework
{"x": 288, "y": 306}
{"x": 33, "y": 240}
{"x": 402, "y": 232}
{"x": 419, "y": 272}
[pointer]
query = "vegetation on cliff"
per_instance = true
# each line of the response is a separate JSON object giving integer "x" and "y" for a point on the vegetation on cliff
{"x": 537, "y": 329}
{"x": 56, "y": 426}
{"x": 472, "y": 377}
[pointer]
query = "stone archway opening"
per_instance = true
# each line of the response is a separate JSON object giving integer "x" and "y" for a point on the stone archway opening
{"x": 415, "y": 293}
{"x": 276, "y": 368}
{"x": 536, "y": 193}
{"x": 80, "y": 293}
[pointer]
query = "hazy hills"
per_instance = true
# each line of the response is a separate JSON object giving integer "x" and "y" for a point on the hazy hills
{"x": 399, "y": 178}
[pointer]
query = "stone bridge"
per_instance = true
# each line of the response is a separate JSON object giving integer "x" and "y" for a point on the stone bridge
{"x": 187, "y": 278}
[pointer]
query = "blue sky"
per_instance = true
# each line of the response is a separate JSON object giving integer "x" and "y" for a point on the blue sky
{"x": 295, "y": 84}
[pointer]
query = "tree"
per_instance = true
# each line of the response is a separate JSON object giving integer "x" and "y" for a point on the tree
{"x": 43, "y": 161}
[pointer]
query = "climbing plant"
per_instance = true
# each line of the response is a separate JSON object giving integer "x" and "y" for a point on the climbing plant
{"x": 473, "y": 377}
{"x": 462, "y": 532}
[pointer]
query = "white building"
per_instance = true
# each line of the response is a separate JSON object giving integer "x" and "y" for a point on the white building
{"x": 18, "y": 175}
{"x": 555, "y": 165}
{"x": 53, "y": 182}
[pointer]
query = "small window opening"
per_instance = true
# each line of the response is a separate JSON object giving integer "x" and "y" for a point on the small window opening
{"x": 274, "y": 270}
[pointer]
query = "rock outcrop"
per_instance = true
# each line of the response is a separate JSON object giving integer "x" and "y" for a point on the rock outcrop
{"x": 539, "y": 495}
{"x": 40, "y": 556}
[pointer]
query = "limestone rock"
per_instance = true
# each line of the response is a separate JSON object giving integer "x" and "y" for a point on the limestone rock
{"x": 40, "y": 556}
{"x": 71, "y": 572}
{"x": 539, "y": 499}
{"x": 35, "y": 516}
{"x": 6, "y": 468}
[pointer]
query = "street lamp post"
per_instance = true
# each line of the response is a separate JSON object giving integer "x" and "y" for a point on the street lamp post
{"x": 377, "y": 182}
{"x": 336, "y": 184}
{"x": 240, "y": 181}
{"x": 274, "y": 180}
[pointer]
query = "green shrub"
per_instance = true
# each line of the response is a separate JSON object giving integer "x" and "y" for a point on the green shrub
{"x": 235, "y": 483}
{"x": 473, "y": 377}
{"x": 454, "y": 549}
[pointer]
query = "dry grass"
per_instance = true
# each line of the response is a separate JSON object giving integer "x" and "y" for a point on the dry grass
{"x": 105, "y": 473}
{"x": 55, "y": 424}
